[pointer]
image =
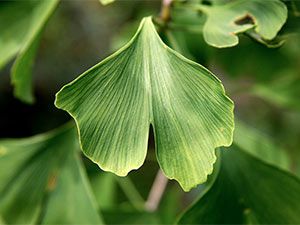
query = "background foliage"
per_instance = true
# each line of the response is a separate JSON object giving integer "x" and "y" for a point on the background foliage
{"x": 41, "y": 167}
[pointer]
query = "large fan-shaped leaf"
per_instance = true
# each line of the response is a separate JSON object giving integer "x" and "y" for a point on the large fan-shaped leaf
{"x": 42, "y": 180}
{"x": 146, "y": 83}
{"x": 224, "y": 22}
{"x": 21, "y": 23}
{"x": 247, "y": 191}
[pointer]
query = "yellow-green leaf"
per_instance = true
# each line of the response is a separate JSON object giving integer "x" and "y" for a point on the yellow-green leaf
{"x": 144, "y": 83}
{"x": 225, "y": 21}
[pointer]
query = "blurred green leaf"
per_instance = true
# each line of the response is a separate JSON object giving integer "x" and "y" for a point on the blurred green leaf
{"x": 293, "y": 5}
{"x": 1, "y": 221}
{"x": 42, "y": 181}
{"x": 260, "y": 145}
{"x": 131, "y": 192}
{"x": 169, "y": 207}
{"x": 254, "y": 64}
{"x": 186, "y": 19}
{"x": 247, "y": 191}
{"x": 21, "y": 23}
{"x": 283, "y": 91}
{"x": 224, "y": 22}
{"x": 104, "y": 187}
{"x": 22, "y": 72}
{"x": 146, "y": 83}
{"x": 72, "y": 192}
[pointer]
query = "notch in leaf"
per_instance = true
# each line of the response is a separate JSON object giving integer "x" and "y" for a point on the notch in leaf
{"x": 144, "y": 83}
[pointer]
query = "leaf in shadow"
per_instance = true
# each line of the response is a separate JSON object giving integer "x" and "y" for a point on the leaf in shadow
{"x": 42, "y": 180}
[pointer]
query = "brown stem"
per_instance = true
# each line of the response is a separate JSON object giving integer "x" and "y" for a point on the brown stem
{"x": 156, "y": 192}
{"x": 165, "y": 10}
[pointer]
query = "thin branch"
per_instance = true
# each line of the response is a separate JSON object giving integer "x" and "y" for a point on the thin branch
{"x": 156, "y": 192}
{"x": 165, "y": 10}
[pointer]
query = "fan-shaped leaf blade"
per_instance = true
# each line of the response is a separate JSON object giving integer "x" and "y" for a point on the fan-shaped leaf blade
{"x": 146, "y": 83}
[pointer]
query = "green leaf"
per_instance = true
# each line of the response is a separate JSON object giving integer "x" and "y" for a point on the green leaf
{"x": 22, "y": 72}
{"x": 40, "y": 176}
{"x": 169, "y": 207}
{"x": 274, "y": 43}
{"x": 144, "y": 83}
{"x": 260, "y": 145}
{"x": 247, "y": 191}
{"x": 73, "y": 191}
{"x": 283, "y": 92}
{"x": 1, "y": 221}
{"x": 131, "y": 193}
{"x": 224, "y": 22}
{"x": 104, "y": 186}
{"x": 130, "y": 217}
{"x": 21, "y": 23}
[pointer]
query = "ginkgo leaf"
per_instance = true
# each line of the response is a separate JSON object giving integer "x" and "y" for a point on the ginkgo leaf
{"x": 40, "y": 176}
{"x": 73, "y": 193}
{"x": 225, "y": 21}
{"x": 247, "y": 191}
{"x": 22, "y": 72}
{"x": 21, "y": 23}
{"x": 144, "y": 83}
